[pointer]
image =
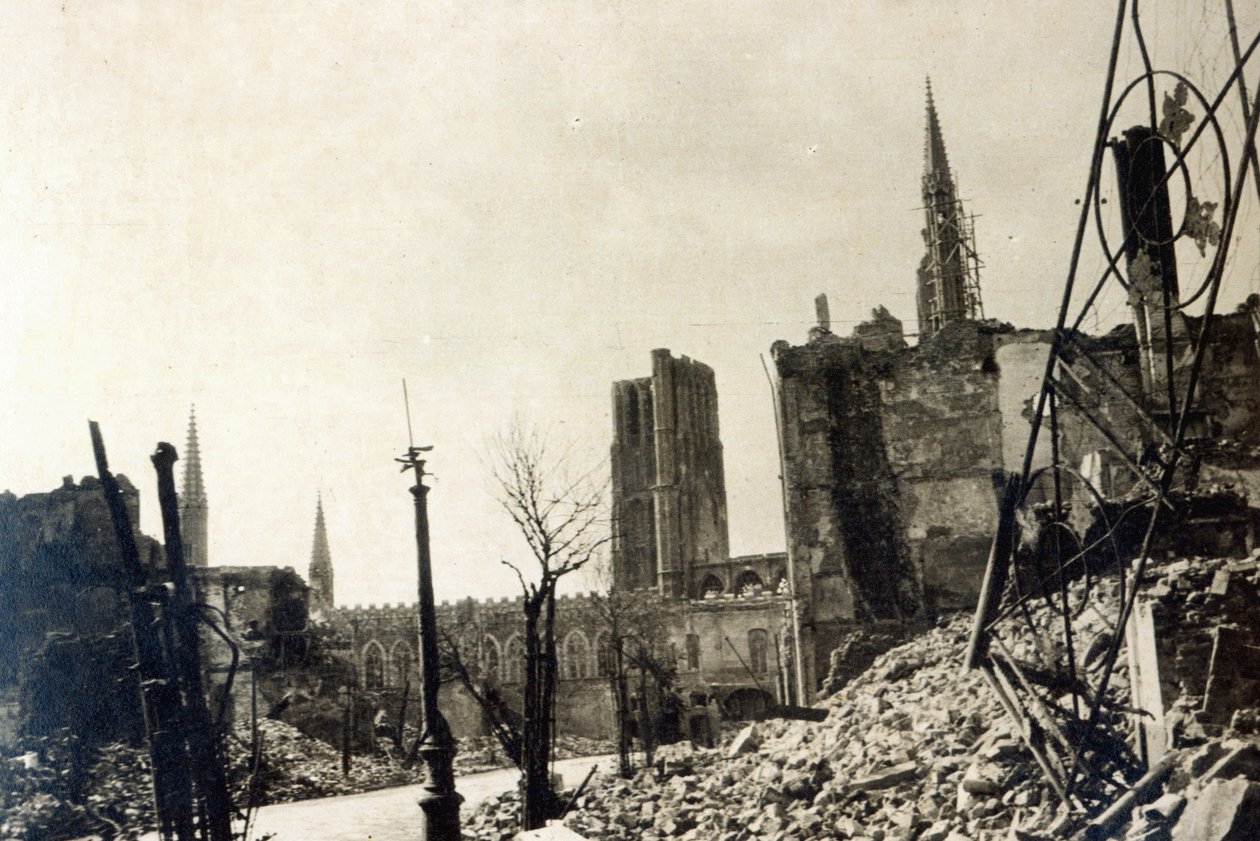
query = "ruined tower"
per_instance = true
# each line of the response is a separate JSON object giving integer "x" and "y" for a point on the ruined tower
{"x": 192, "y": 501}
{"x": 668, "y": 484}
{"x": 949, "y": 275}
{"x": 320, "y": 573}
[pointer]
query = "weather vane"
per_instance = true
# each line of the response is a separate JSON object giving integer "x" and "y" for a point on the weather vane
{"x": 411, "y": 460}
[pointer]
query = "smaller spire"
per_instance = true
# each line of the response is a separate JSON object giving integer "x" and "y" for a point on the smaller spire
{"x": 320, "y": 574}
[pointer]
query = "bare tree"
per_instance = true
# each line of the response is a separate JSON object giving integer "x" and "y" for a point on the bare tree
{"x": 561, "y": 513}
{"x": 638, "y": 640}
{"x": 461, "y": 649}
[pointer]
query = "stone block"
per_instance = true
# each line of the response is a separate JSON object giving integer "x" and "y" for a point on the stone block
{"x": 1225, "y": 810}
{"x": 886, "y": 777}
{"x": 746, "y": 741}
{"x": 553, "y": 831}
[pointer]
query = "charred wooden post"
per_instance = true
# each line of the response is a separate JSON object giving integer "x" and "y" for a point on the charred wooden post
{"x": 439, "y": 802}
{"x": 203, "y": 742}
{"x": 159, "y": 692}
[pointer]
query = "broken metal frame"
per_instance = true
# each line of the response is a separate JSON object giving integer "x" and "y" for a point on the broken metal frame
{"x": 190, "y": 788}
{"x": 1063, "y": 754}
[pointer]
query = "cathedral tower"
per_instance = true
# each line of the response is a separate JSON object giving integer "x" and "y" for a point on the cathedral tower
{"x": 192, "y": 501}
{"x": 668, "y": 487}
{"x": 320, "y": 573}
{"x": 949, "y": 276}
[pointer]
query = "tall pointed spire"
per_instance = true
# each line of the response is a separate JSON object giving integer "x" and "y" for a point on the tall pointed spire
{"x": 193, "y": 508}
{"x": 949, "y": 276}
{"x": 320, "y": 574}
{"x": 936, "y": 162}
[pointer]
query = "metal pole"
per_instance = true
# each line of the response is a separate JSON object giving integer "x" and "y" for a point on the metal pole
{"x": 800, "y": 696}
{"x": 172, "y": 788}
{"x": 439, "y": 801}
{"x": 203, "y": 741}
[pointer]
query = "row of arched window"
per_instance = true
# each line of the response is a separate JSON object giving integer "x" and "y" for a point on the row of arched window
{"x": 381, "y": 670}
{"x": 746, "y": 583}
{"x": 579, "y": 658}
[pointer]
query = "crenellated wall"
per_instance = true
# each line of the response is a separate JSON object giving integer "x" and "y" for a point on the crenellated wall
{"x": 716, "y": 640}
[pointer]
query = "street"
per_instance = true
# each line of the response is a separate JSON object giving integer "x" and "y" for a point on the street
{"x": 390, "y": 814}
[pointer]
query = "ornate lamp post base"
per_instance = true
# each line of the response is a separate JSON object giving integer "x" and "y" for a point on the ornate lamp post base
{"x": 439, "y": 803}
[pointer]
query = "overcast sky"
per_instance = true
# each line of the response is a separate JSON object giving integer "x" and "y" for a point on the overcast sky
{"x": 278, "y": 210}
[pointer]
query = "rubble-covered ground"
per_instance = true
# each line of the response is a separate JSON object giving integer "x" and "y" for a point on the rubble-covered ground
{"x": 915, "y": 749}
{"x": 42, "y": 799}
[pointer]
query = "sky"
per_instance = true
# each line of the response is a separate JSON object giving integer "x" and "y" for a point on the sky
{"x": 278, "y": 211}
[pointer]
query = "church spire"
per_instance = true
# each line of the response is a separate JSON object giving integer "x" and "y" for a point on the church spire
{"x": 936, "y": 162}
{"x": 949, "y": 275}
{"x": 320, "y": 574}
{"x": 193, "y": 509}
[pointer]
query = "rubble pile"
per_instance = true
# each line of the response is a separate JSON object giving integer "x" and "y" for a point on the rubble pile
{"x": 919, "y": 749}
{"x": 294, "y": 766}
{"x": 914, "y": 745}
{"x": 1204, "y": 619}
{"x": 44, "y": 797}
{"x": 49, "y": 793}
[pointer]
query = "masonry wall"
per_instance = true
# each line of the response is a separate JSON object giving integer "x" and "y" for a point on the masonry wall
{"x": 943, "y": 434}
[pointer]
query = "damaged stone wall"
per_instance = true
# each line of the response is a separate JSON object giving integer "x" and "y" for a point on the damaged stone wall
{"x": 943, "y": 435}
{"x": 382, "y": 641}
{"x": 60, "y": 602}
{"x": 894, "y": 457}
{"x": 722, "y": 632}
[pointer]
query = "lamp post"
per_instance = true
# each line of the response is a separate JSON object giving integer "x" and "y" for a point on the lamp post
{"x": 439, "y": 802}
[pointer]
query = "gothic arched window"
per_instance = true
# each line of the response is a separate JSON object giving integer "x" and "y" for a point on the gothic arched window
{"x": 603, "y": 655}
{"x": 577, "y": 655}
{"x": 513, "y": 667}
{"x": 758, "y": 648}
{"x": 373, "y": 666}
{"x": 748, "y": 582}
{"x": 490, "y": 667}
{"x": 401, "y": 661}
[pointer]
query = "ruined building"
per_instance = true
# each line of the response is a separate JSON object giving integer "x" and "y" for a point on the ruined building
{"x": 895, "y": 456}
{"x": 193, "y": 509}
{"x": 62, "y": 609}
{"x": 725, "y": 618}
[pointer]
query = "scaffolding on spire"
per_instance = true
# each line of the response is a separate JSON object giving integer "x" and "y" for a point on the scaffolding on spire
{"x": 949, "y": 275}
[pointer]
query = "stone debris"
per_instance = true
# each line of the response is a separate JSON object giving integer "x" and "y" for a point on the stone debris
{"x": 917, "y": 749}
{"x": 35, "y": 800}
{"x": 888, "y": 763}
